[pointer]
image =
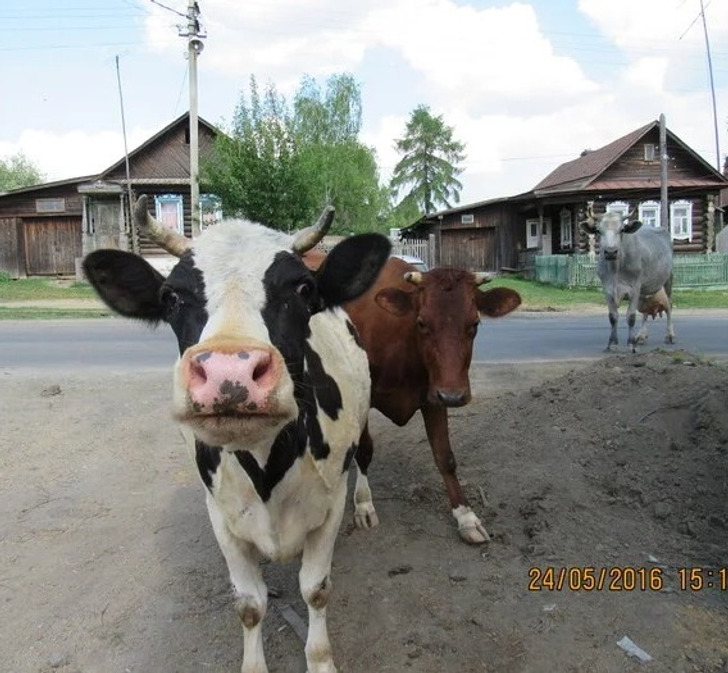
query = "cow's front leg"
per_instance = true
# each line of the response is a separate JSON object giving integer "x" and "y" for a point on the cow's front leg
{"x": 251, "y": 595}
{"x": 632, "y": 317}
{"x": 315, "y": 582}
{"x": 613, "y": 310}
{"x": 469, "y": 526}
{"x": 365, "y": 516}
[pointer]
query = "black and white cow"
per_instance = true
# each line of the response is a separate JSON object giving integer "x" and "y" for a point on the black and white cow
{"x": 272, "y": 389}
{"x": 634, "y": 262}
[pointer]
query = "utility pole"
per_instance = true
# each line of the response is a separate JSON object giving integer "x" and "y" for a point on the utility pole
{"x": 712, "y": 86}
{"x": 194, "y": 35}
{"x": 664, "y": 219}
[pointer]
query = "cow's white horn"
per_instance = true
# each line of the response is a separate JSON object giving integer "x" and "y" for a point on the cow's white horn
{"x": 414, "y": 277}
{"x": 309, "y": 237}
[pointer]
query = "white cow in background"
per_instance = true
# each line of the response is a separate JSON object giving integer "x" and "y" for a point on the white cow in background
{"x": 634, "y": 262}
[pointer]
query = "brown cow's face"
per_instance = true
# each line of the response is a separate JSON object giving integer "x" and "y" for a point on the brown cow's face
{"x": 446, "y": 307}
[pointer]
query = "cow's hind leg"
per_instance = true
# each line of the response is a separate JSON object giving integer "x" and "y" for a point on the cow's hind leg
{"x": 670, "y": 334}
{"x": 251, "y": 595}
{"x": 642, "y": 335}
{"x": 365, "y": 516}
{"x": 469, "y": 526}
{"x": 315, "y": 582}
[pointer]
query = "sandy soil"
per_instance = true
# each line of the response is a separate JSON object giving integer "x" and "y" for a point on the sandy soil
{"x": 108, "y": 563}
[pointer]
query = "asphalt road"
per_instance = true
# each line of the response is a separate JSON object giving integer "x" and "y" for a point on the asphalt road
{"x": 115, "y": 344}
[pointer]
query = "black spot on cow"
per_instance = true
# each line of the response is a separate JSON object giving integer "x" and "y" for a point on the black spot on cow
{"x": 280, "y": 459}
{"x": 324, "y": 386}
{"x": 350, "y": 453}
{"x": 234, "y": 396}
{"x": 208, "y": 460}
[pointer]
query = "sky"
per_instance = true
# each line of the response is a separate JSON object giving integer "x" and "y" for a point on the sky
{"x": 524, "y": 85}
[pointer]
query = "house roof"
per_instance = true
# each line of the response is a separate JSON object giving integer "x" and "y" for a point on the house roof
{"x": 584, "y": 173}
{"x": 150, "y": 141}
{"x": 118, "y": 164}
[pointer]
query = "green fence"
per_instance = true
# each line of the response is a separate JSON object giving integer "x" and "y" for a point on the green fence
{"x": 689, "y": 271}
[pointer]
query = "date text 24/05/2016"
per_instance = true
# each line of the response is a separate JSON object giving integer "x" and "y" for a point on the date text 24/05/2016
{"x": 625, "y": 578}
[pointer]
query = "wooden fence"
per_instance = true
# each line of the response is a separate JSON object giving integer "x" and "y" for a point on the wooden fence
{"x": 689, "y": 271}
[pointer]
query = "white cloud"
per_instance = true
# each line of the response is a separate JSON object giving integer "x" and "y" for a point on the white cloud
{"x": 72, "y": 154}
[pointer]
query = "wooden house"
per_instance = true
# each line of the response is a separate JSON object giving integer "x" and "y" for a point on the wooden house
{"x": 47, "y": 229}
{"x": 624, "y": 176}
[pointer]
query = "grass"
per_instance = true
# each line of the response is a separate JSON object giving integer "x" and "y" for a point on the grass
{"x": 25, "y": 289}
{"x": 542, "y": 297}
{"x": 536, "y": 297}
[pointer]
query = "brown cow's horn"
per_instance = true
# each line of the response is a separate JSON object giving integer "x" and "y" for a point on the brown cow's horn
{"x": 482, "y": 277}
{"x": 307, "y": 238}
{"x": 173, "y": 242}
{"x": 414, "y": 277}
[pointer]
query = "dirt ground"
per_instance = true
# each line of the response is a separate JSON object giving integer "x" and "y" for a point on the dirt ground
{"x": 108, "y": 562}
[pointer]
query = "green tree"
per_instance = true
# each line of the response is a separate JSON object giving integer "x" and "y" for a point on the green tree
{"x": 255, "y": 169}
{"x": 281, "y": 166}
{"x": 18, "y": 171}
{"x": 427, "y": 172}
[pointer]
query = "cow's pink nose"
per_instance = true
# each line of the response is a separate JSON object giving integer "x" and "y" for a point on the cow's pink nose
{"x": 230, "y": 383}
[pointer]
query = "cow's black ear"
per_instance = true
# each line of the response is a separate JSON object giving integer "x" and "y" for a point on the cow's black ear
{"x": 630, "y": 226}
{"x": 127, "y": 284}
{"x": 351, "y": 268}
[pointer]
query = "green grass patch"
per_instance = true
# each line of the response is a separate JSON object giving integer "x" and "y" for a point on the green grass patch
{"x": 41, "y": 313}
{"x": 543, "y": 297}
{"x": 43, "y": 288}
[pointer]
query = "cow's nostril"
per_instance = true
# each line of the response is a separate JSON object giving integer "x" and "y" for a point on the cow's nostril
{"x": 262, "y": 367}
{"x": 197, "y": 373}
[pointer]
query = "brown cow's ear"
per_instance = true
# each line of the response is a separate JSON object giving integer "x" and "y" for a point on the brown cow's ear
{"x": 497, "y": 302}
{"x": 395, "y": 301}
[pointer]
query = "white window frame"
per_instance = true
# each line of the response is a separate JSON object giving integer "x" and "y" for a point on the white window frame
{"x": 533, "y": 240}
{"x": 681, "y": 223}
{"x": 649, "y": 213}
{"x": 162, "y": 200}
{"x": 565, "y": 229}
{"x": 468, "y": 218}
{"x": 620, "y": 207}
{"x": 650, "y": 152}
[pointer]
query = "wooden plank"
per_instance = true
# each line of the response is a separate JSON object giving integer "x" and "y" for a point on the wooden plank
{"x": 52, "y": 245}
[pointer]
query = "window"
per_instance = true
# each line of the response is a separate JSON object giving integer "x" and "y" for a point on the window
{"x": 467, "y": 219}
{"x": 649, "y": 213}
{"x": 681, "y": 220}
{"x": 50, "y": 205}
{"x": 649, "y": 152}
{"x": 210, "y": 210}
{"x": 168, "y": 210}
{"x": 533, "y": 233}
{"x": 619, "y": 207}
{"x": 565, "y": 230}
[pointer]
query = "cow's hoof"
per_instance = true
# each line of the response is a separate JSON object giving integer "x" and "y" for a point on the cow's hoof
{"x": 365, "y": 516}
{"x": 641, "y": 340}
{"x": 469, "y": 526}
{"x": 669, "y": 339}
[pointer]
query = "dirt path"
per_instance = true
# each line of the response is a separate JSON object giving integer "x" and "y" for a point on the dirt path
{"x": 108, "y": 563}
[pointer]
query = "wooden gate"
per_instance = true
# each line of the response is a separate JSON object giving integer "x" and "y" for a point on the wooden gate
{"x": 472, "y": 249}
{"x": 52, "y": 245}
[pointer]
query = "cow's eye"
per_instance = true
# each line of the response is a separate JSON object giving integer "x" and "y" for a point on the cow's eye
{"x": 170, "y": 300}
{"x": 305, "y": 290}
{"x": 422, "y": 325}
{"x": 473, "y": 329}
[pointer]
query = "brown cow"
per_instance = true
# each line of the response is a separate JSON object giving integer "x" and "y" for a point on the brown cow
{"x": 418, "y": 330}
